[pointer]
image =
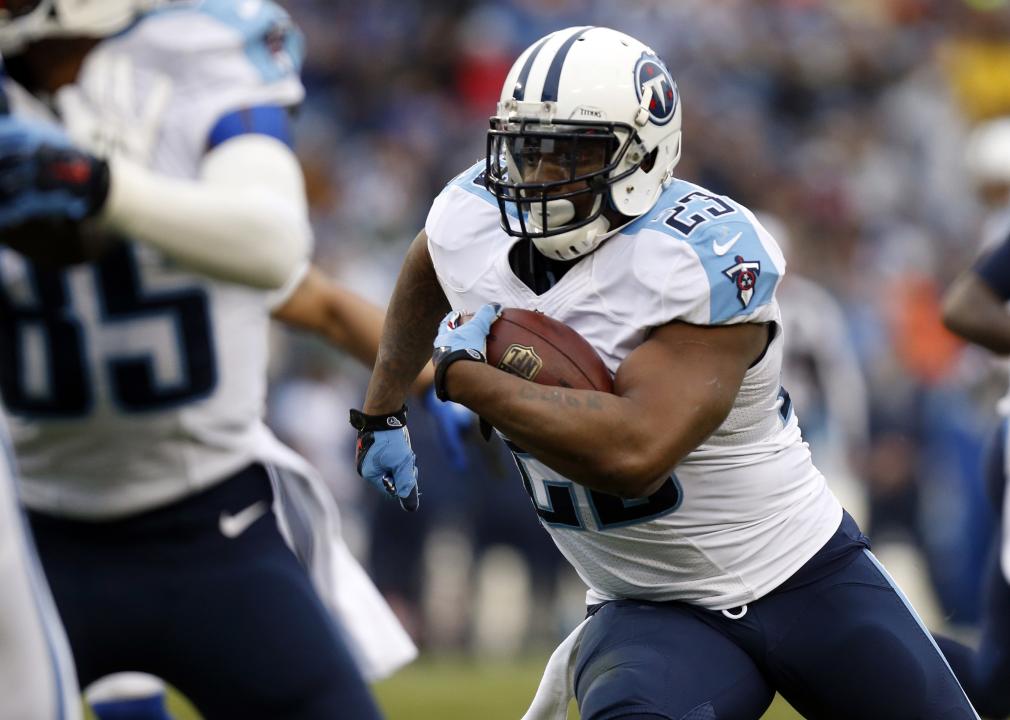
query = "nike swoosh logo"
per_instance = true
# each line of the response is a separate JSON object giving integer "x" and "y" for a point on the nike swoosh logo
{"x": 724, "y": 248}
{"x": 234, "y": 525}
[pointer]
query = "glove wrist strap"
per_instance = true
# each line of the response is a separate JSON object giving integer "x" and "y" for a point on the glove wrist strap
{"x": 442, "y": 363}
{"x": 386, "y": 421}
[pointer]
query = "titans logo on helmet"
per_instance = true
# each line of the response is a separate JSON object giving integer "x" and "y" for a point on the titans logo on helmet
{"x": 744, "y": 274}
{"x": 651, "y": 73}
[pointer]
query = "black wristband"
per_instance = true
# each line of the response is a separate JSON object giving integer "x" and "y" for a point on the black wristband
{"x": 443, "y": 361}
{"x": 389, "y": 421}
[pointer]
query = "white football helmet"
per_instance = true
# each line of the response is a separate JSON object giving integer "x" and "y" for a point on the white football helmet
{"x": 987, "y": 152}
{"x": 588, "y": 116}
{"x": 26, "y": 21}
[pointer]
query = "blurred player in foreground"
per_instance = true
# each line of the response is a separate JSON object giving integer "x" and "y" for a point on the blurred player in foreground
{"x": 37, "y": 678}
{"x": 162, "y": 506}
{"x": 720, "y": 567}
{"x": 975, "y": 308}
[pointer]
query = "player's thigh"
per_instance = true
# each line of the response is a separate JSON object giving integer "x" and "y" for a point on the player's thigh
{"x": 660, "y": 660}
{"x": 37, "y": 677}
{"x": 851, "y": 646}
{"x": 255, "y": 641}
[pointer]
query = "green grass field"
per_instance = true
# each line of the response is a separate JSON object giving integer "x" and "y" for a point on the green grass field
{"x": 463, "y": 689}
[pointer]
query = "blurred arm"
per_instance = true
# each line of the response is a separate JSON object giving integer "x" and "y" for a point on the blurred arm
{"x": 415, "y": 309}
{"x": 244, "y": 219}
{"x": 344, "y": 318}
{"x": 844, "y": 388}
{"x": 974, "y": 306}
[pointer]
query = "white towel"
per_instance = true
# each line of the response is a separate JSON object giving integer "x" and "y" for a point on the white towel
{"x": 557, "y": 686}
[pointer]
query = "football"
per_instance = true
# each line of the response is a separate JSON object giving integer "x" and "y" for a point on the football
{"x": 546, "y": 351}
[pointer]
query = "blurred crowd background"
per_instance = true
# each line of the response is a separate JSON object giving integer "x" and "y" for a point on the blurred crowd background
{"x": 844, "y": 122}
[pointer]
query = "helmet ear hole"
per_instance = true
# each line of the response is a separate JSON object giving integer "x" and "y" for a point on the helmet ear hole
{"x": 650, "y": 160}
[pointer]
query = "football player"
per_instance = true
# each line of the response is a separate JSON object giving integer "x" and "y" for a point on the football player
{"x": 975, "y": 308}
{"x": 37, "y": 678}
{"x": 720, "y": 567}
{"x": 162, "y": 507}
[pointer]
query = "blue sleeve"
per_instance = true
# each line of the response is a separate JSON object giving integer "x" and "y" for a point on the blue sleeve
{"x": 270, "y": 120}
{"x": 742, "y": 277}
{"x": 741, "y": 274}
{"x": 994, "y": 269}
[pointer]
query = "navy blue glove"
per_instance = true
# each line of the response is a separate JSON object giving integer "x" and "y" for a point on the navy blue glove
{"x": 44, "y": 178}
{"x": 383, "y": 455}
{"x": 452, "y": 421}
{"x": 458, "y": 340}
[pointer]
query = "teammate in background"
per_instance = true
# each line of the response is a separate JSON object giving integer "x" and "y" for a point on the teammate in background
{"x": 351, "y": 324}
{"x": 162, "y": 506}
{"x": 821, "y": 370}
{"x": 975, "y": 308}
{"x": 720, "y": 567}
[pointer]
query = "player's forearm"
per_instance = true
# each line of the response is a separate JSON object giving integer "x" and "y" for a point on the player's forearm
{"x": 975, "y": 313}
{"x": 243, "y": 220}
{"x": 593, "y": 438}
{"x": 408, "y": 331}
{"x": 354, "y": 325}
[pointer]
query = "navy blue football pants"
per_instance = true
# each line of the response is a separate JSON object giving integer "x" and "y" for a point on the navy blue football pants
{"x": 837, "y": 640}
{"x": 232, "y": 622}
{"x": 985, "y": 673}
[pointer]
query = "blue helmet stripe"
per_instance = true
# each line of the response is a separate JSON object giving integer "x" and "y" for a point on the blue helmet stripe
{"x": 550, "y": 91}
{"x": 520, "y": 90}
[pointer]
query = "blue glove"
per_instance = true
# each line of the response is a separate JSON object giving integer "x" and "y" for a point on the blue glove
{"x": 383, "y": 455}
{"x": 466, "y": 341}
{"x": 452, "y": 420}
{"x": 43, "y": 177}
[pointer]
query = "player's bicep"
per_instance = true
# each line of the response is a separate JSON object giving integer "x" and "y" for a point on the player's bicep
{"x": 685, "y": 379}
{"x": 257, "y": 161}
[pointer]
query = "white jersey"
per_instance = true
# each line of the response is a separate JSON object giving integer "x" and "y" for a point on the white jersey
{"x": 744, "y": 510}
{"x": 131, "y": 382}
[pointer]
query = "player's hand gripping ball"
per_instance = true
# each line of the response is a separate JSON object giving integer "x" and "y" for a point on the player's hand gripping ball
{"x": 526, "y": 343}
{"x": 543, "y": 350}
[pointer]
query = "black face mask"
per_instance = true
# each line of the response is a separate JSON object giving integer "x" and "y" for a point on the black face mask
{"x": 17, "y": 8}
{"x": 531, "y": 164}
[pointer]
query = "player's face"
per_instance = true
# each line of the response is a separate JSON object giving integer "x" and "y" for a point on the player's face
{"x": 544, "y": 159}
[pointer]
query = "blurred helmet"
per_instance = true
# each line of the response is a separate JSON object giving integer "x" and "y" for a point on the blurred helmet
{"x": 588, "y": 118}
{"x": 25, "y": 21}
{"x": 987, "y": 153}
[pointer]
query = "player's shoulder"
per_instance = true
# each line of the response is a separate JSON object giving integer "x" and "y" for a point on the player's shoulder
{"x": 464, "y": 211}
{"x": 471, "y": 181}
{"x": 256, "y": 34}
{"x": 724, "y": 259}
